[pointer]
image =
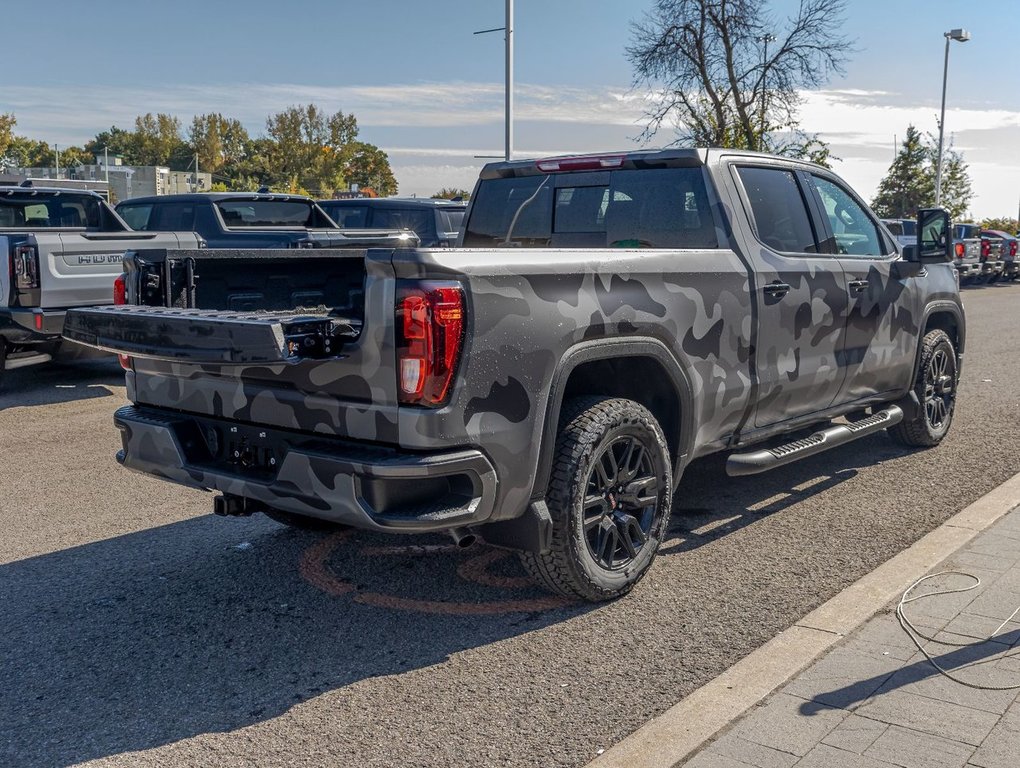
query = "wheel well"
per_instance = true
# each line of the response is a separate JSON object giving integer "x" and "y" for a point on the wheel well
{"x": 641, "y": 379}
{"x": 944, "y": 321}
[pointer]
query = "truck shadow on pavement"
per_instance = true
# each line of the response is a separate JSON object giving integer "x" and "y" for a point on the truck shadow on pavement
{"x": 52, "y": 383}
{"x": 848, "y": 697}
{"x": 209, "y": 625}
{"x": 709, "y": 504}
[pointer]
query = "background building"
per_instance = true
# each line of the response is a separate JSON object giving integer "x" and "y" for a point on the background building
{"x": 126, "y": 181}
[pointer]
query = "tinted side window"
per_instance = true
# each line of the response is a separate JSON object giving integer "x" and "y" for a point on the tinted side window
{"x": 780, "y": 213}
{"x": 418, "y": 221}
{"x": 176, "y": 217}
{"x": 854, "y": 231}
{"x": 348, "y": 216}
{"x": 450, "y": 220}
{"x": 136, "y": 216}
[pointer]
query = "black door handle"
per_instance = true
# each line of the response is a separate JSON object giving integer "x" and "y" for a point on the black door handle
{"x": 776, "y": 289}
{"x": 858, "y": 286}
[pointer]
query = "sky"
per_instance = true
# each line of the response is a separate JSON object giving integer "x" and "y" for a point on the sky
{"x": 430, "y": 93}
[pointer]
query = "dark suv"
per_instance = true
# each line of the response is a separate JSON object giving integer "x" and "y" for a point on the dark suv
{"x": 436, "y": 222}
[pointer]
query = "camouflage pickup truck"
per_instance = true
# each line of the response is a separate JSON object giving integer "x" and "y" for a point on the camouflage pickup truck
{"x": 604, "y": 321}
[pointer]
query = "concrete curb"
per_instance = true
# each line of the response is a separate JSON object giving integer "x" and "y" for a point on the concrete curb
{"x": 682, "y": 729}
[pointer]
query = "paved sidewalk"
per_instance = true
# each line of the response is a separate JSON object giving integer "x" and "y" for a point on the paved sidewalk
{"x": 874, "y": 701}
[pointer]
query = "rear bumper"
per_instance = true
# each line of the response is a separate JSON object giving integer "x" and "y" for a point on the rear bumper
{"x": 31, "y": 325}
{"x": 357, "y": 484}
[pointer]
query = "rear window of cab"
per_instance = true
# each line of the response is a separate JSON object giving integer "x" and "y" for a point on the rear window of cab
{"x": 653, "y": 208}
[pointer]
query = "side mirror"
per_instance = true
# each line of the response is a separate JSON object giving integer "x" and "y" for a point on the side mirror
{"x": 934, "y": 237}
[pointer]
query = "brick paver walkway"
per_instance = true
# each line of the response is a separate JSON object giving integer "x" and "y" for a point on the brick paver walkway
{"x": 874, "y": 701}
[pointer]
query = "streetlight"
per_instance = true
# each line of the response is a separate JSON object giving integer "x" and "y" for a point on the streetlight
{"x": 765, "y": 40}
{"x": 509, "y": 87}
{"x": 961, "y": 36}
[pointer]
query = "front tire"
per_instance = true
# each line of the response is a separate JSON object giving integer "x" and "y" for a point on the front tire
{"x": 610, "y": 497}
{"x": 935, "y": 385}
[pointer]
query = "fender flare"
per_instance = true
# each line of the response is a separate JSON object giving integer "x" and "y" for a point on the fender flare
{"x": 949, "y": 307}
{"x": 607, "y": 349}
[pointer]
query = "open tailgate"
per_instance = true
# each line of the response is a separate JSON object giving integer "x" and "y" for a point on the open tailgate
{"x": 210, "y": 336}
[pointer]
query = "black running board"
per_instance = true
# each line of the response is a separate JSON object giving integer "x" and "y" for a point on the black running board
{"x": 753, "y": 462}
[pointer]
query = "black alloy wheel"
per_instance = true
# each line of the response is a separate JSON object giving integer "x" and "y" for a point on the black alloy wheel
{"x": 935, "y": 386}
{"x": 939, "y": 387}
{"x": 620, "y": 503}
{"x": 609, "y": 499}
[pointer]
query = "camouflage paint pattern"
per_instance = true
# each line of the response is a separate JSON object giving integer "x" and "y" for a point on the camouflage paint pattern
{"x": 751, "y": 362}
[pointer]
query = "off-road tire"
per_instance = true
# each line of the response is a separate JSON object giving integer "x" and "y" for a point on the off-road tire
{"x": 302, "y": 522}
{"x": 920, "y": 431}
{"x": 588, "y": 427}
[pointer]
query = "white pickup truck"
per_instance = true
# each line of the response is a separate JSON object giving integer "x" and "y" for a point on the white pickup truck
{"x": 59, "y": 249}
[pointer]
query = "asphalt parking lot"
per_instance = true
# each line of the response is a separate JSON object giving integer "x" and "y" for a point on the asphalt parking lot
{"x": 133, "y": 621}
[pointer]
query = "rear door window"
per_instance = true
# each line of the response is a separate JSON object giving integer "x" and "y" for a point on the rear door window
{"x": 136, "y": 216}
{"x": 449, "y": 219}
{"x": 348, "y": 216}
{"x": 417, "y": 220}
{"x": 779, "y": 210}
{"x": 176, "y": 217}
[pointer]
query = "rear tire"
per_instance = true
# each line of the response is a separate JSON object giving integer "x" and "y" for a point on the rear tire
{"x": 609, "y": 496}
{"x": 3, "y": 361}
{"x": 303, "y": 522}
{"x": 935, "y": 385}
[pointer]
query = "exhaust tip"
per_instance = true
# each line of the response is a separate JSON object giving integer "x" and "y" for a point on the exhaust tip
{"x": 462, "y": 537}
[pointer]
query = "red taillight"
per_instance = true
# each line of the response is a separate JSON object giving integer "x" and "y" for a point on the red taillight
{"x": 120, "y": 297}
{"x": 587, "y": 163}
{"x": 119, "y": 290}
{"x": 959, "y": 250}
{"x": 1012, "y": 247}
{"x": 430, "y": 329}
{"x": 986, "y": 248}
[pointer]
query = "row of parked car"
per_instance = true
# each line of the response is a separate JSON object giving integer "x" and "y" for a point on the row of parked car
{"x": 980, "y": 255}
{"x": 63, "y": 248}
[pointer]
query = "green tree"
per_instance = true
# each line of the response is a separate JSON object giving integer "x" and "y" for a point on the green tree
{"x": 449, "y": 193}
{"x": 157, "y": 141}
{"x": 23, "y": 152}
{"x": 218, "y": 141}
{"x": 908, "y": 185}
{"x": 369, "y": 168}
{"x": 910, "y": 182}
{"x": 7, "y": 123}
{"x": 1002, "y": 223}
{"x": 956, "y": 188}
{"x": 311, "y": 149}
{"x": 728, "y": 73}
{"x": 116, "y": 141}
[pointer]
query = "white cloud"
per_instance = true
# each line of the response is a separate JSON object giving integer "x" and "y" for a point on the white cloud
{"x": 434, "y": 130}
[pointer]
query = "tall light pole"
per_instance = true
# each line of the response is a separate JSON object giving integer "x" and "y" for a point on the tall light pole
{"x": 508, "y": 117}
{"x": 765, "y": 40}
{"x": 961, "y": 36}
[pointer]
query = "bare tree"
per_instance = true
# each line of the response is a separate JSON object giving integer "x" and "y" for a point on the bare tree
{"x": 727, "y": 73}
